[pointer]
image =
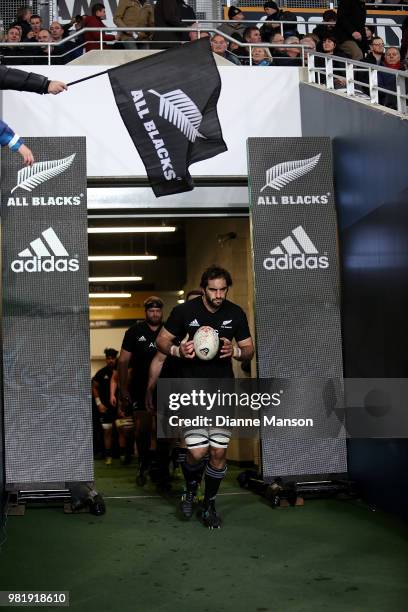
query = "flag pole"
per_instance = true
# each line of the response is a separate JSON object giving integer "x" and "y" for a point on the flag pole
{"x": 92, "y": 76}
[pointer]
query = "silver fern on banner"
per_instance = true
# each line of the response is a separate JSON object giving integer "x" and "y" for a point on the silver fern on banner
{"x": 181, "y": 111}
{"x": 280, "y": 175}
{"x": 31, "y": 176}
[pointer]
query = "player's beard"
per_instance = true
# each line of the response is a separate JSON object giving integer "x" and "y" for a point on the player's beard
{"x": 215, "y": 303}
{"x": 155, "y": 320}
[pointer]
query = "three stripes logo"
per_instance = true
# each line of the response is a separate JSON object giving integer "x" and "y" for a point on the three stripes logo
{"x": 45, "y": 254}
{"x": 297, "y": 252}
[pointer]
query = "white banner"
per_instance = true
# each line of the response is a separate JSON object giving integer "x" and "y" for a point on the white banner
{"x": 254, "y": 102}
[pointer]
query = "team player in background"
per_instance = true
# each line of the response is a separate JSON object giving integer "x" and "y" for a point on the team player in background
{"x": 229, "y": 320}
{"x": 101, "y": 394}
{"x": 137, "y": 352}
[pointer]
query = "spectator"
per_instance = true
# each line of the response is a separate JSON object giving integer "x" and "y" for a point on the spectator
{"x": 134, "y": 14}
{"x": 326, "y": 28}
{"x": 350, "y": 28}
{"x": 23, "y": 21}
{"x": 92, "y": 39}
{"x": 63, "y": 50}
{"x": 36, "y": 26}
{"x": 277, "y": 39}
{"x": 252, "y": 36}
{"x": 370, "y": 33}
{"x": 13, "y": 55}
{"x": 374, "y": 56}
{"x": 41, "y": 54}
{"x": 292, "y": 55}
{"x": 234, "y": 14}
{"x": 376, "y": 53}
{"x": 392, "y": 60}
{"x": 167, "y": 14}
{"x": 261, "y": 56}
{"x": 309, "y": 43}
{"x": 271, "y": 22}
{"x": 329, "y": 47}
{"x": 219, "y": 47}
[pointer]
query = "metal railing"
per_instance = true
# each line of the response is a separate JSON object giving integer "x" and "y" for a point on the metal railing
{"x": 354, "y": 87}
{"x": 102, "y": 43}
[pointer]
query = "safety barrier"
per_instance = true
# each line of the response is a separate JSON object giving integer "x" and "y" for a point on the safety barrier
{"x": 354, "y": 86}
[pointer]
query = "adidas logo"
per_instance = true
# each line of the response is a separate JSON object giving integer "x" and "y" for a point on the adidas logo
{"x": 46, "y": 254}
{"x": 282, "y": 174}
{"x": 194, "y": 323}
{"x": 142, "y": 339}
{"x": 297, "y": 252}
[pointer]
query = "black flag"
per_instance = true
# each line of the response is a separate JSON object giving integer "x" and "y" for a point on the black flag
{"x": 168, "y": 102}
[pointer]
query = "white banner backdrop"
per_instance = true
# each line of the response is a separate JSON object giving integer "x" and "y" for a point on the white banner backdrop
{"x": 254, "y": 102}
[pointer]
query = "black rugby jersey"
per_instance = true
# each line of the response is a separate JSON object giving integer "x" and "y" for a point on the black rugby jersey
{"x": 140, "y": 340}
{"x": 229, "y": 321}
{"x": 103, "y": 378}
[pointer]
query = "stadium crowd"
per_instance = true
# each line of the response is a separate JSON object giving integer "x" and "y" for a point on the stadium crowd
{"x": 342, "y": 34}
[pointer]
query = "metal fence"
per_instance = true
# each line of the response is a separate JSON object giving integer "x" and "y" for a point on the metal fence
{"x": 317, "y": 4}
{"x": 359, "y": 79}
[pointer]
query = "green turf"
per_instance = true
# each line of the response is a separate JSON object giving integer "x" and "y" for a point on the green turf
{"x": 328, "y": 555}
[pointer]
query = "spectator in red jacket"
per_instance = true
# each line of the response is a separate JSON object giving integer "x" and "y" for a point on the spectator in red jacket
{"x": 92, "y": 39}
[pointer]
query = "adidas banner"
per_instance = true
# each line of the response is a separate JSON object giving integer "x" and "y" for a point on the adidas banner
{"x": 297, "y": 307}
{"x": 45, "y": 320}
{"x": 168, "y": 102}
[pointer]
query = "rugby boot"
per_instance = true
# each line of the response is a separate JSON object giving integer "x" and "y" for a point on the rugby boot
{"x": 210, "y": 517}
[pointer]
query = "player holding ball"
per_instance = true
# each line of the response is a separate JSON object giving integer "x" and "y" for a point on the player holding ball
{"x": 200, "y": 358}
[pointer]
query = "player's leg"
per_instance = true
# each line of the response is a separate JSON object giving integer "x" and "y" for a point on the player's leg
{"x": 143, "y": 433}
{"x": 193, "y": 467}
{"x": 107, "y": 442}
{"x": 215, "y": 471}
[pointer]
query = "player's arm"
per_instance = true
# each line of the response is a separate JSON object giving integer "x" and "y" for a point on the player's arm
{"x": 95, "y": 392}
{"x": 113, "y": 385}
{"x": 246, "y": 350}
{"x": 243, "y": 351}
{"x": 123, "y": 365}
{"x": 155, "y": 369}
{"x": 165, "y": 344}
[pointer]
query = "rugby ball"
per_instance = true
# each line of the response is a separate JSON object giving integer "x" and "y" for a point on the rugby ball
{"x": 206, "y": 343}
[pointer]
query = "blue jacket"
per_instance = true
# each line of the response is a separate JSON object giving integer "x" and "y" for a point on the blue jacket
{"x": 8, "y": 137}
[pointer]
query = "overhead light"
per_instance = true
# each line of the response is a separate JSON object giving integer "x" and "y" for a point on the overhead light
{"x": 122, "y": 257}
{"x": 180, "y": 301}
{"x": 132, "y": 230}
{"x": 107, "y": 307}
{"x": 110, "y": 295}
{"x": 112, "y": 279}
{"x": 181, "y": 292}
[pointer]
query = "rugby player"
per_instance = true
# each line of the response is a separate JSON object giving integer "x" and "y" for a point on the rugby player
{"x": 137, "y": 352}
{"x": 229, "y": 320}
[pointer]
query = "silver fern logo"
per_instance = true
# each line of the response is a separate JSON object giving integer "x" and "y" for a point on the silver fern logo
{"x": 282, "y": 174}
{"x": 30, "y": 177}
{"x": 177, "y": 108}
